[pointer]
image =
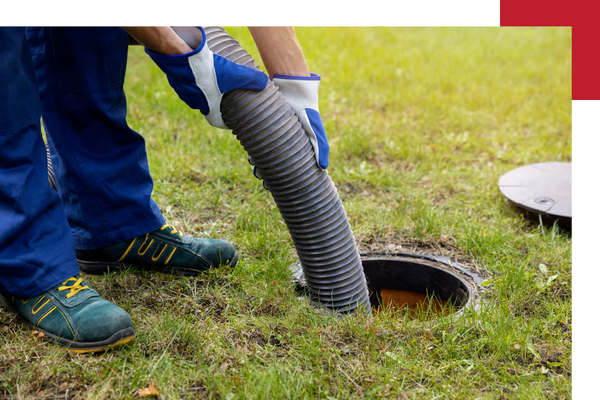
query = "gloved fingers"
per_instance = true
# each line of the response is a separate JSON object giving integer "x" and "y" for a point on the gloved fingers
{"x": 313, "y": 125}
{"x": 232, "y": 76}
{"x": 302, "y": 95}
{"x": 228, "y": 76}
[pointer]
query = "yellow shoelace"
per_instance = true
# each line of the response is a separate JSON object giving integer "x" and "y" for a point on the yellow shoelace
{"x": 75, "y": 288}
{"x": 173, "y": 230}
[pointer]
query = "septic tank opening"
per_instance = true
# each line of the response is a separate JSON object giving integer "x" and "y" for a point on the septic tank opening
{"x": 430, "y": 283}
{"x": 401, "y": 281}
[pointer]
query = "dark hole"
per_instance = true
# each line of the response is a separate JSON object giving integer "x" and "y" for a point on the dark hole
{"x": 411, "y": 275}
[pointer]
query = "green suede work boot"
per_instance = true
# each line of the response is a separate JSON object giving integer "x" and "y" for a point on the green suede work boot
{"x": 74, "y": 316}
{"x": 165, "y": 250}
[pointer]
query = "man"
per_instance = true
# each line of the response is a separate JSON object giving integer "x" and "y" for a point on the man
{"x": 101, "y": 166}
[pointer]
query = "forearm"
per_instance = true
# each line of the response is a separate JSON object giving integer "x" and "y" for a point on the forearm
{"x": 280, "y": 50}
{"x": 159, "y": 39}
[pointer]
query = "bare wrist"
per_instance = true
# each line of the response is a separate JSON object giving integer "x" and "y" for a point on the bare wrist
{"x": 280, "y": 50}
{"x": 159, "y": 39}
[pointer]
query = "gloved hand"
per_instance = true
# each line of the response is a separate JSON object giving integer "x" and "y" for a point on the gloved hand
{"x": 200, "y": 78}
{"x": 302, "y": 94}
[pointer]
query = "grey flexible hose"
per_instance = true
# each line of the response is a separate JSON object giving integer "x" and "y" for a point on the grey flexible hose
{"x": 306, "y": 196}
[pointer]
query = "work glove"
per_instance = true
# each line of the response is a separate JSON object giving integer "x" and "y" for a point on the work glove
{"x": 302, "y": 95}
{"x": 200, "y": 78}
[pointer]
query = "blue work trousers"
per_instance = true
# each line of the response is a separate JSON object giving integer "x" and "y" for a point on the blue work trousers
{"x": 74, "y": 77}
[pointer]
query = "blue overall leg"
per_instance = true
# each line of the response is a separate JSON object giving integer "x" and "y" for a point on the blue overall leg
{"x": 100, "y": 163}
{"x": 36, "y": 246}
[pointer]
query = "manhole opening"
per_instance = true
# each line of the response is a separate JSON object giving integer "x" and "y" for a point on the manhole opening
{"x": 405, "y": 282}
{"x": 430, "y": 282}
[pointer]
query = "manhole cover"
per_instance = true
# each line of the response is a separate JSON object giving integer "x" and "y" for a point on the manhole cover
{"x": 541, "y": 190}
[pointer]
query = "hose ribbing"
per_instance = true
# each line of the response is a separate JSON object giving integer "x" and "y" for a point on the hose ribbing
{"x": 306, "y": 196}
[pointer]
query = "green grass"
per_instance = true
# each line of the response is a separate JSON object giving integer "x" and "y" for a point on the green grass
{"x": 422, "y": 123}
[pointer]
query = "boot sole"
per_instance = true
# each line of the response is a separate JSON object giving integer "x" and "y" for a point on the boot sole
{"x": 98, "y": 268}
{"x": 117, "y": 339}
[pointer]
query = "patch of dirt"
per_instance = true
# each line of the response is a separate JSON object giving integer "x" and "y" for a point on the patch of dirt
{"x": 394, "y": 244}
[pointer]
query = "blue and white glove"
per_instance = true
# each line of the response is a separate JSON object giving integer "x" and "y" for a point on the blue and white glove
{"x": 200, "y": 78}
{"x": 302, "y": 94}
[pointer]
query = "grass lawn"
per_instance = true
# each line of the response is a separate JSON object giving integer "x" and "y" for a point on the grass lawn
{"x": 422, "y": 123}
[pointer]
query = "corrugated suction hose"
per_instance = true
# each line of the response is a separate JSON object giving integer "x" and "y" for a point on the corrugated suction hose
{"x": 306, "y": 196}
{"x": 270, "y": 132}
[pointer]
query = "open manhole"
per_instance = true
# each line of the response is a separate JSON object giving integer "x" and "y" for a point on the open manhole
{"x": 407, "y": 281}
{"x": 434, "y": 284}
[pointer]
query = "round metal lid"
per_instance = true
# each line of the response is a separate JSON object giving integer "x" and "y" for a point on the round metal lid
{"x": 543, "y": 189}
